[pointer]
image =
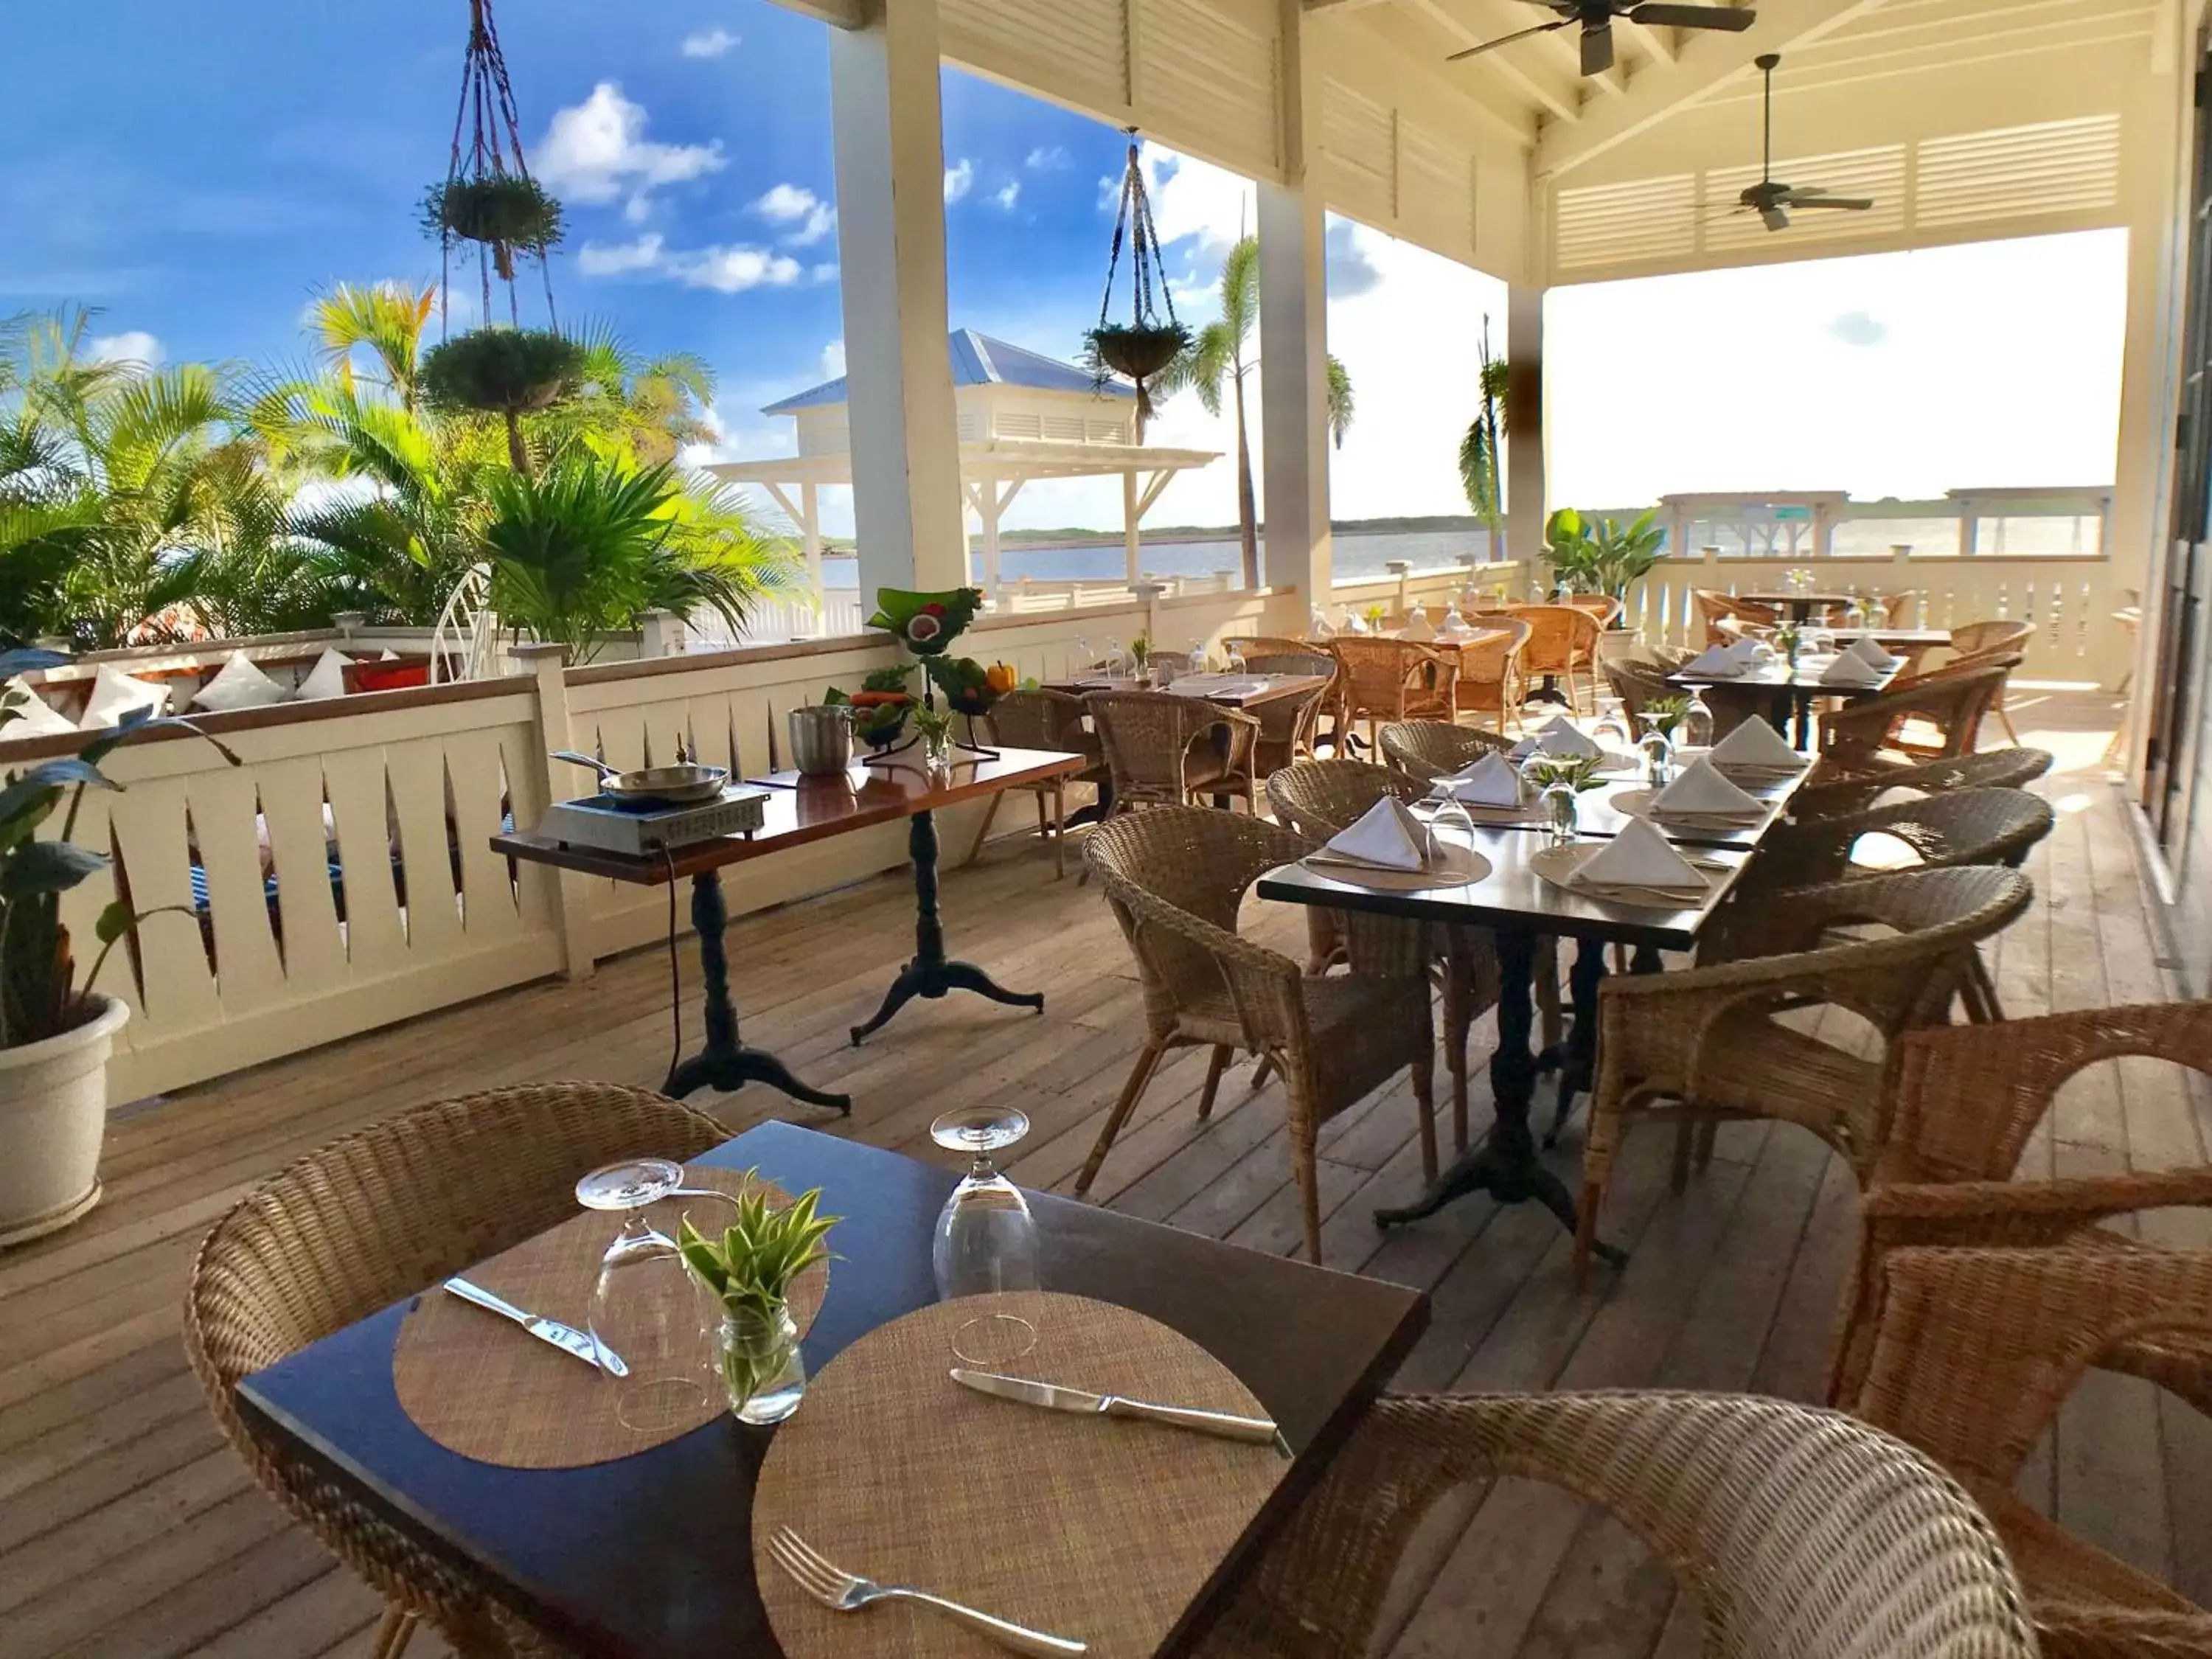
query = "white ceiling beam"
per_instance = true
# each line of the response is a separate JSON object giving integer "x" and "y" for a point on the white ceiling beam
{"x": 1658, "y": 43}
{"x": 1824, "y": 71}
{"x": 1702, "y": 64}
{"x": 1558, "y": 102}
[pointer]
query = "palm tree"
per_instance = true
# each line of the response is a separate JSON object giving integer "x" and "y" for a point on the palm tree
{"x": 1479, "y": 451}
{"x": 1220, "y": 353}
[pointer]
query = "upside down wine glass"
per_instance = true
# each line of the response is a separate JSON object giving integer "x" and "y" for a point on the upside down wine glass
{"x": 646, "y": 1309}
{"x": 986, "y": 1237}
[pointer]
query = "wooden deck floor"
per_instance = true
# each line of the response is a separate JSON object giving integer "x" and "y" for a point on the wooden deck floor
{"x": 128, "y": 1529}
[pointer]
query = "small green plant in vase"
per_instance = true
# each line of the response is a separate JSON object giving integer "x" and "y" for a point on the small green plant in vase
{"x": 1789, "y": 639}
{"x": 1559, "y": 781}
{"x": 750, "y": 1270}
{"x": 1375, "y": 616}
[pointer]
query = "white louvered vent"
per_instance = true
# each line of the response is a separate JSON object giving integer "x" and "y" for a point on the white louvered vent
{"x": 1360, "y": 138}
{"x": 1064, "y": 429}
{"x": 1879, "y": 173}
{"x": 2019, "y": 173}
{"x": 1207, "y": 81}
{"x": 1107, "y": 432}
{"x": 1078, "y": 49}
{"x": 1641, "y": 220}
{"x": 1436, "y": 187}
{"x": 1010, "y": 425}
{"x": 971, "y": 426}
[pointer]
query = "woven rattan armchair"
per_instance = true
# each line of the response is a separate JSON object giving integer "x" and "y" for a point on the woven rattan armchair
{"x": 1713, "y": 605}
{"x": 1161, "y": 748}
{"x": 1489, "y": 677}
{"x": 1043, "y": 719}
{"x": 1866, "y": 736}
{"x": 1990, "y": 638}
{"x": 1975, "y": 1352}
{"x": 1176, "y": 877}
{"x": 1321, "y": 797}
{"x": 1969, "y": 1100}
{"x": 1426, "y": 750}
{"x": 1562, "y": 645}
{"x": 1704, "y": 1047}
{"x": 1380, "y": 680}
{"x": 1801, "y": 1533}
{"x": 361, "y": 1223}
{"x": 1604, "y": 606}
{"x": 1992, "y": 768}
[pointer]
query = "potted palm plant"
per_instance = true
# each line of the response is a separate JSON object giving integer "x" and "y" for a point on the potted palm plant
{"x": 56, "y": 1028}
{"x": 1602, "y": 556}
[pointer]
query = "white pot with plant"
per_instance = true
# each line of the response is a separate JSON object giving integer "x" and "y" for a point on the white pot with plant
{"x": 56, "y": 1029}
{"x": 1603, "y": 556}
{"x": 751, "y": 1269}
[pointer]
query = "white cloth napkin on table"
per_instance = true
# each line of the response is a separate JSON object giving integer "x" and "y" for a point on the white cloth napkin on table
{"x": 1493, "y": 781}
{"x": 1388, "y": 835}
{"x": 1639, "y": 856}
{"x": 1868, "y": 650}
{"x": 1850, "y": 669}
{"x": 1748, "y": 653}
{"x": 1699, "y": 788}
{"x": 1754, "y": 743}
{"x": 1716, "y": 662}
{"x": 1561, "y": 736}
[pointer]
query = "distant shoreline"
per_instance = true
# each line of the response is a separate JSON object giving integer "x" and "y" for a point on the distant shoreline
{"x": 1029, "y": 541}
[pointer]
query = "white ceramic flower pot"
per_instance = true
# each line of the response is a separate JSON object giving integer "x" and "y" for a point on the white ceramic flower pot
{"x": 1615, "y": 643}
{"x": 53, "y": 1114}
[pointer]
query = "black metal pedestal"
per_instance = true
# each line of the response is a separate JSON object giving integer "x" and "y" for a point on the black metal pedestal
{"x": 931, "y": 973}
{"x": 1506, "y": 1166}
{"x": 725, "y": 1063}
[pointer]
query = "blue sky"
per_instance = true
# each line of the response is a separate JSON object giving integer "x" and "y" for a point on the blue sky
{"x": 201, "y": 185}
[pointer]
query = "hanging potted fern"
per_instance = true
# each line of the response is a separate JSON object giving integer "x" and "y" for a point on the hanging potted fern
{"x": 1140, "y": 348}
{"x": 508, "y": 372}
{"x": 499, "y": 211}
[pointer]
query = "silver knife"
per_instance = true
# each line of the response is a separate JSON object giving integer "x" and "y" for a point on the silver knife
{"x": 1258, "y": 1430}
{"x": 566, "y": 1338}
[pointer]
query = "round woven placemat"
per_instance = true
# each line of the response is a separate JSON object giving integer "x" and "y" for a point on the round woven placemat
{"x": 1637, "y": 803}
{"x": 1103, "y": 1530}
{"x": 482, "y": 1386}
{"x": 1455, "y": 867}
{"x": 1557, "y": 864}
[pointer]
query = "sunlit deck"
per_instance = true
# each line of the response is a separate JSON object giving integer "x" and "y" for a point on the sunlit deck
{"x": 127, "y": 1528}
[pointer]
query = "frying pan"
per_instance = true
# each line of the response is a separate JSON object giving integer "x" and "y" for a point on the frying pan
{"x": 673, "y": 784}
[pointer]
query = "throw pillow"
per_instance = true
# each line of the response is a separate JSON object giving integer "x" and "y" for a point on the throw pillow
{"x": 36, "y": 718}
{"x": 238, "y": 684}
{"x": 327, "y": 678}
{"x": 115, "y": 694}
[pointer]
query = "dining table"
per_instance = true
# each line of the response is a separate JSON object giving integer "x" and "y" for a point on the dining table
{"x": 800, "y": 809}
{"x": 1787, "y": 691}
{"x": 1800, "y": 607}
{"x": 1229, "y": 690}
{"x": 649, "y": 1555}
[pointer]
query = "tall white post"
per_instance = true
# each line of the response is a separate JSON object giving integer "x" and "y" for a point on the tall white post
{"x": 888, "y": 139}
{"x": 810, "y": 536}
{"x": 1526, "y": 440}
{"x": 1132, "y": 544}
{"x": 1294, "y": 332}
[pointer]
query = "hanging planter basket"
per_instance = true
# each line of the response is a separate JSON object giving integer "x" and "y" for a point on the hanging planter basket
{"x": 501, "y": 371}
{"x": 1139, "y": 350}
{"x": 500, "y": 211}
{"x": 1143, "y": 346}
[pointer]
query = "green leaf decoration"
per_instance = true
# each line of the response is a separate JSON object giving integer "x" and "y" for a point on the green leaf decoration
{"x": 925, "y": 624}
{"x": 965, "y": 682}
{"x": 47, "y": 866}
{"x": 751, "y": 1267}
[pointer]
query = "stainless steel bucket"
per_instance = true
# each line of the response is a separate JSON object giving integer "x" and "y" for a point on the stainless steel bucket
{"x": 822, "y": 739}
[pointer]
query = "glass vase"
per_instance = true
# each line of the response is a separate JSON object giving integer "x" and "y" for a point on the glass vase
{"x": 1658, "y": 758}
{"x": 1562, "y": 812}
{"x": 936, "y": 750}
{"x": 763, "y": 1369}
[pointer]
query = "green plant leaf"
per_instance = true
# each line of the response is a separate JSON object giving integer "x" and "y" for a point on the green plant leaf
{"x": 47, "y": 866}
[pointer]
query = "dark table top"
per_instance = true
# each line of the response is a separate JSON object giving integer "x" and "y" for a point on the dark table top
{"x": 800, "y": 809}
{"x": 1513, "y": 895}
{"x": 1778, "y": 676}
{"x": 1600, "y": 816}
{"x": 651, "y": 1555}
{"x": 1276, "y": 686}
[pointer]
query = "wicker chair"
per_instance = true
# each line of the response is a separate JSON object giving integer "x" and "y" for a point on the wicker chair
{"x": 1801, "y": 1533}
{"x": 1990, "y": 638}
{"x": 1969, "y": 1100}
{"x": 1426, "y": 750}
{"x": 1176, "y": 877}
{"x": 1604, "y": 606}
{"x": 1161, "y": 748}
{"x": 356, "y": 1226}
{"x": 1489, "y": 677}
{"x": 1380, "y": 680}
{"x": 1713, "y": 606}
{"x": 1320, "y": 798}
{"x": 1290, "y": 727}
{"x": 1995, "y": 768}
{"x": 1043, "y": 719}
{"x": 1702, "y": 1047}
{"x": 1562, "y": 644}
{"x": 1975, "y": 1352}
{"x": 1864, "y": 737}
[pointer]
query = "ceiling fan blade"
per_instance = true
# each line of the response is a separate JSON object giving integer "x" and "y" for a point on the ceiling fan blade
{"x": 1775, "y": 217}
{"x": 1507, "y": 40}
{"x": 1597, "y": 48}
{"x": 1734, "y": 19}
{"x": 1849, "y": 204}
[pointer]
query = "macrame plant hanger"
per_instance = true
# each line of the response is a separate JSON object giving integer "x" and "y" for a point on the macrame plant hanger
{"x": 1145, "y": 345}
{"x": 489, "y": 196}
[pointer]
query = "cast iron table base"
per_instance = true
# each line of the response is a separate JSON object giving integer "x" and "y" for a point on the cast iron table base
{"x": 931, "y": 973}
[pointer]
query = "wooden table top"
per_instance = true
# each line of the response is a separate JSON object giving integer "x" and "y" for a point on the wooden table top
{"x": 1513, "y": 895}
{"x": 1776, "y": 675}
{"x": 650, "y": 1555}
{"x": 1273, "y": 687}
{"x": 800, "y": 809}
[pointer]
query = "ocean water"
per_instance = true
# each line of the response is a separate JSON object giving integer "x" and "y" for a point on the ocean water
{"x": 1357, "y": 555}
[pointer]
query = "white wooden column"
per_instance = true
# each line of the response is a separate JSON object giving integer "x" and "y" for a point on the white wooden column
{"x": 886, "y": 127}
{"x": 1526, "y": 440}
{"x": 810, "y": 536}
{"x": 1294, "y": 332}
{"x": 1131, "y": 543}
{"x": 2153, "y": 140}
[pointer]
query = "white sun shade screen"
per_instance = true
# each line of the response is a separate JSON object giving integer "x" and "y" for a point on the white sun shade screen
{"x": 2054, "y": 167}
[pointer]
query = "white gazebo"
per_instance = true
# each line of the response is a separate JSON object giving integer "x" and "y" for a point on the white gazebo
{"x": 1021, "y": 416}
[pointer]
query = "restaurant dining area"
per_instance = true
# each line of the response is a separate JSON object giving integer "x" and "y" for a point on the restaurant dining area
{"x": 1641, "y": 1092}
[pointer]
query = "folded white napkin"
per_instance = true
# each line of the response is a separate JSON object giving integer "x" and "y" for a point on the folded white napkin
{"x": 1755, "y": 742}
{"x": 1639, "y": 856}
{"x": 1493, "y": 781}
{"x": 1387, "y": 834}
{"x": 1868, "y": 650}
{"x": 1560, "y": 737}
{"x": 1715, "y": 662}
{"x": 1745, "y": 651}
{"x": 1699, "y": 787}
{"x": 1318, "y": 627}
{"x": 1418, "y": 628}
{"x": 1849, "y": 670}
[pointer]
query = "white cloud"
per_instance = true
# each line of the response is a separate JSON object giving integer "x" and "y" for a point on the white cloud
{"x": 637, "y": 210}
{"x": 133, "y": 346}
{"x": 727, "y": 269}
{"x": 833, "y": 360}
{"x": 1192, "y": 198}
{"x": 1007, "y": 195}
{"x": 596, "y": 151}
{"x": 709, "y": 43}
{"x": 1043, "y": 159}
{"x": 959, "y": 178}
{"x": 824, "y": 272}
{"x": 806, "y": 216}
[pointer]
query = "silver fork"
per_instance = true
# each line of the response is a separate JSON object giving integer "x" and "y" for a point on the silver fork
{"x": 846, "y": 1592}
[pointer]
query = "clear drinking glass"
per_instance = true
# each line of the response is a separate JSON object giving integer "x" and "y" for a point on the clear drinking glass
{"x": 1447, "y": 814}
{"x": 1562, "y": 812}
{"x": 1083, "y": 657}
{"x": 1611, "y": 731}
{"x": 1697, "y": 728}
{"x": 1658, "y": 750}
{"x": 986, "y": 1240}
{"x": 648, "y": 1311}
{"x": 1116, "y": 658}
{"x": 1236, "y": 661}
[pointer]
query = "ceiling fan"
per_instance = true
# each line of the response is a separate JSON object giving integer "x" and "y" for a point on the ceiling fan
{"x": 1596, "y": 17}
{"x": 1772, "y": 200}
